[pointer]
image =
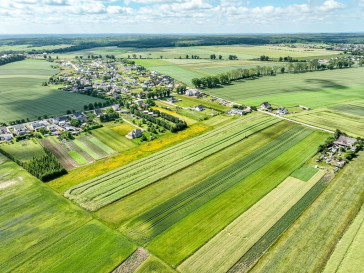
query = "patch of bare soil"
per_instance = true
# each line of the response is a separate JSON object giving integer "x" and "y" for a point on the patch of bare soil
{"x": 133, "y": 261}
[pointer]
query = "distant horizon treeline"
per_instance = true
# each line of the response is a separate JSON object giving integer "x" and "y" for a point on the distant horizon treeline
{"x": 152, "y": 41}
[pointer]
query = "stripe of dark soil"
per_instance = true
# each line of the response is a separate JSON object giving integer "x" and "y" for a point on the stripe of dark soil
{"x": 96, "y": 149}
{"x": 61, "y": 154}
{"x": 133, "y": 261}
{"x": 250, "y": 258}
{"x": 76, "y": 148}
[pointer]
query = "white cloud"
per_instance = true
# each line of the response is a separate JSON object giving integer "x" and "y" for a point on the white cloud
{"x": 330, "y": 5}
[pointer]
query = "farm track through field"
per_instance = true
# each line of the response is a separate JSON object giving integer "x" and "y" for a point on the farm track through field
{"x": 166, "y": 214}
{"x": 108, "y": 188}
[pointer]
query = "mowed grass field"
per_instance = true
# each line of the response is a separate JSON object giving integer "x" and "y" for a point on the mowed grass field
{"x": 322, "y": 225}
{"x": 114, "y": 185}
{"x": 349, "y": 252}
{"x": 223, "y": 250}
{"x": 22, "y": 96}
{"x": 187, "y": 235}
{"x": 332, "y": 120}
{"x": 43, "y": 232}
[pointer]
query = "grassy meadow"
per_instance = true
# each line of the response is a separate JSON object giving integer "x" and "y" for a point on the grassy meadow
{"x": 41, "y": 231}
{"x": 22, "y": 96}
{"x": 24, "y": 150}
{"x": 322, "y": 224}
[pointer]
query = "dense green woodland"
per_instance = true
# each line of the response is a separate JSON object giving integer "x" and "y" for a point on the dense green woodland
{"x": 150, "y": 41}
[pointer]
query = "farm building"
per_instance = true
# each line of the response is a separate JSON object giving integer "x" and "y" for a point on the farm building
{"x": 265, "y": 105}
{"x": 282, "y": 111}
{"x": 198, "y": 108}
{"x": 344, "y": 141}
{"x": 135, "y": 134}
{"x": 172, "y": 100}
{"x": 236, "y": 111}
{"x": 192, "y": 92}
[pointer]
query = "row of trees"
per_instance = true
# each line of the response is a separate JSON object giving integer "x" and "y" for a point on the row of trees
{"x": 12, "y": 58}
{"x": 176, "y": 126}
{"x": 45, "y": 167}
{"x": 110, "y": 115}
{"x": 259, "y": 71}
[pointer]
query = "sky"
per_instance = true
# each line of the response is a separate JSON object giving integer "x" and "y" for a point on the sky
{"x": 180, "y": 16}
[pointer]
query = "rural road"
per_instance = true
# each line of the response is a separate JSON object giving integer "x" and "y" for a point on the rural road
{"x": 298, "y": 122}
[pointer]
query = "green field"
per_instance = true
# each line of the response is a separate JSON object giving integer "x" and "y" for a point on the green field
{"x": 43, "y": 232}
{"x": 24, "y": 150}
{"x": 94, "y": 147}
{"x": 332, "y": 120}
{"x": 304, "y": 173}
{"x": 349, "y": 252}
{"x": 353, "y": 108}
{"x": 130, "y": 207}
{"x": 223, "y": 250}
{"x": 22, "y": 96}
{"x": 108, "y": 188}
{"x": 154, "y": 265}
{"x": 322, "y": 225}
{"x": 320, "y": 88}
{"x": 186, "y": 236}
{"x": 117, "y": 142}
{"x": 78, "y": 158}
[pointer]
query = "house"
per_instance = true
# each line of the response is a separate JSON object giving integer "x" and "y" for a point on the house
{"x": 265, "y": 105}
{"x": 282, "y": 111}
{"x": 139, "y": 102}
{"x": 98, "y": 112}
{"x": 115, "y": 95}
{"x": 20, "y": 130}
{"x": 198, "y": 108}
{"x": 192, "y": 92}
{"x": 236, "y": 111}
{"x": 36, "y": 125}
{"x": 5, "y": 134}
{"x": 344, "y": 141}
{"x": 171, "y": 100}
{"x": 81, "y": 117}
{"x": 52, "y": 128}
{"x": 135, "y": 134}
{"x": 58, "y": 120}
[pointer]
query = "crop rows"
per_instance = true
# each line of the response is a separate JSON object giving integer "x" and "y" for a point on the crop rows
{"x": 114, "y": 185}
{"x": 166, "y": 214}
{"x": 261, "y": 246}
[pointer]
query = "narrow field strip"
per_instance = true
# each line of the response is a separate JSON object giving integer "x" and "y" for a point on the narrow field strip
{"x": 86, "y": 149}
{"x": 101, "y": 145}
{"x": 160, "y": 218}
{"x": 262, "y": 245}
{"x": 349, "y": 252}
{"x": 222, "y": 251}
{"x": 322, "y": 225}
{"x": 189, "y": 234}
{"x": 114, "y": 185}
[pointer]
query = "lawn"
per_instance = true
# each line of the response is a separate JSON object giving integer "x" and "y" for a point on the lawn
{"x": 114, "y": 185}
{"x": 113, "y": 139}
{"x": 194, "y": 230}
{"x": 78, "y": 158}
{"x": 322, "y": 225}
{"x": 320, "y": 88}
{"x": 22, "y": 96}
{"x": 41, "y": 231}
{"x": 24, "y": 150}
{"x": 349, "y": 252}
{"x": 223, "y": 250}
{"x": 332, "y": 120}
{"x": 130, "y": 207}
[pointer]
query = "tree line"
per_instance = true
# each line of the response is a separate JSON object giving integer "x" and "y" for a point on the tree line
{"x": 12, "y": 58}
{"x": 45, "y": 167}
{"x": 259, "y": 71}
